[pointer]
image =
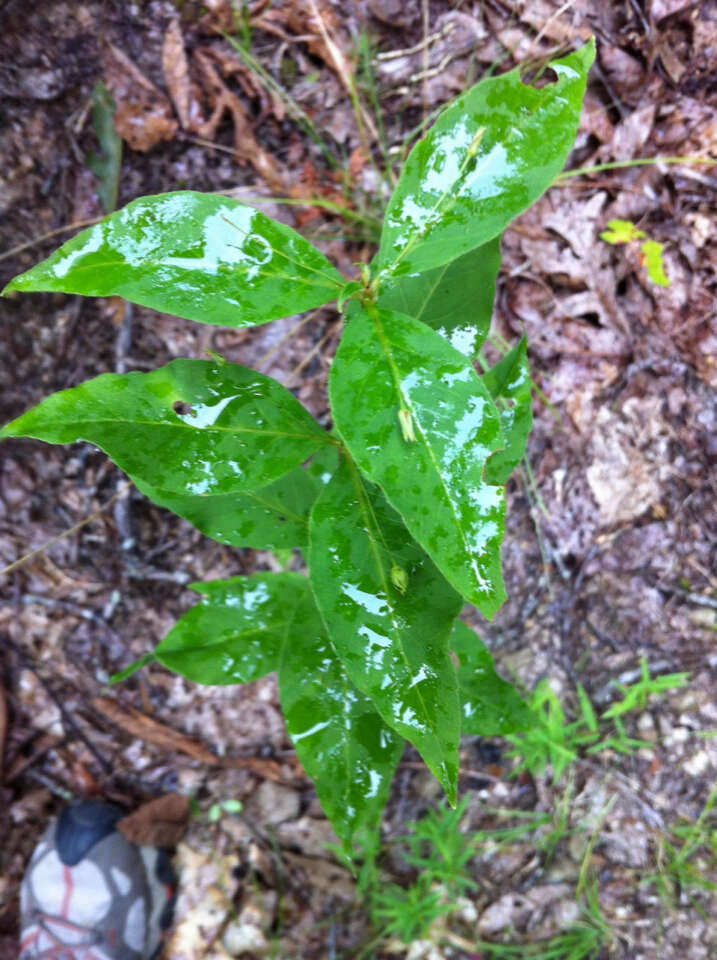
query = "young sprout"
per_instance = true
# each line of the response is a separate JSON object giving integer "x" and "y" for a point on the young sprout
{"x": 399, "y": 578}
{"x": 475, "y": 142}
{"x": 406, "y": 423}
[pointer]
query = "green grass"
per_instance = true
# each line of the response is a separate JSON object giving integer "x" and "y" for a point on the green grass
{"x": 686, "y": 854}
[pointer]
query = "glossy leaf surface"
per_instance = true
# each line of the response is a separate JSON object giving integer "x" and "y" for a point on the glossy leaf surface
{"x": 272, "y": 518}
{"x": 195, "y": 255}
{"x": 510, "y": 385}
{"x": 455, "y": 300}
{"x": 192, "y": 427}
{"x": 489, "y": 155}
{"x": 394, "y": 378}
{"x": 490, "y": 706}
{"x": 340, "y": 739}
{"x": 235, "y": 633}
{"x": 388, "y": 612}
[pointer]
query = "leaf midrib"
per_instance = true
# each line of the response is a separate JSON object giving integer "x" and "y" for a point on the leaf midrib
{"x": 385, "y": 345}
{"x": 94, "y": 267}
{"x": 213, "y": 428}
{"x": 451, "y": 196}
{"x": 372, "y": 525}
{"x": 206, "y": 499}
{"x": 237, "y": 634}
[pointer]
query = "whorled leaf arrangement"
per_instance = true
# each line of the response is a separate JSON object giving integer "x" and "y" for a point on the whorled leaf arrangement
{"x": 400, "y": 513}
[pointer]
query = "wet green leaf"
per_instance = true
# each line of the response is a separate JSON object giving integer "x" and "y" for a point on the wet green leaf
{"x": 105, "y": 165}
{"x": 510, "y": 385}
{"x": 340, "y": 739}
{"x": 272, "y": 518}
{"x": 455, "y": 300}
{"x": 323, "y": 464}
{"x": 192, "y": 427}
{"x": 198, "y": 256}
{"x": 489, "y": 155}
{"x": 236, "y": 632}
{"x": 388, "y": 612}
{"x": 387, "y": 364}
{"x": 490, "y": 706}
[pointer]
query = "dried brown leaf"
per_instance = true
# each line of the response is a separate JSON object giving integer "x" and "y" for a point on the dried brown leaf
{"x": 151, "y": 731}
{"x": 219, "y": 16}
{"x": 231, "y": 66}
{"x": 246, "y": 148}
{"x": 674, "y": 67}
{"x": 143, "y": 117}
{"x": 175, "y": 68}
{"x": 659, "y": 9}
{"x": 595, "y": 118}
{"x": 159, "y": 823}
{"x": 623, "y": 71}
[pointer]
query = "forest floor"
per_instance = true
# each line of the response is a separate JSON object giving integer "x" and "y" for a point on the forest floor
{"x": 610, "y": 555}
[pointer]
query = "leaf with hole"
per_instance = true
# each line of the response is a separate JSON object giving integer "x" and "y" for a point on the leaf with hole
{"x": 193, "y": 427}
{"x": 488, "y": 156}
{"x": 196, "y": 255}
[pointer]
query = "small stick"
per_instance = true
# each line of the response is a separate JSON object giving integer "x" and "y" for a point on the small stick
{"x": 47, "y": 236}
{"x": 21, "y": 561}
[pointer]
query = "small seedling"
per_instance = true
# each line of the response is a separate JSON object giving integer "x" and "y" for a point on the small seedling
{"x": 625, "y": 232}
{"x": 551, "y": 740}
{"x": 588, "y": 939}
{"x": 438, "y": 853}
{"x": 688, "y": 858}
{"x": 400, "y": 512}
{"x": 217, "y": 810}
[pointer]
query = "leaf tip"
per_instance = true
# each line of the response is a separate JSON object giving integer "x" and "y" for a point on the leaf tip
{"x": 11, "y": 287}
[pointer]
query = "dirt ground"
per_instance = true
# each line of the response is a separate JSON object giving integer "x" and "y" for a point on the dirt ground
{"x": 610, "y": 553}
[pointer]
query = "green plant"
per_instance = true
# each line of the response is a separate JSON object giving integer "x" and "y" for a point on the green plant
{"x": 400, "y": 513}
{"x": 438, "y": 853}
{"x": 217, "y": 810}
{"x": 685, "y": 860}
{"x": 587, "y": 939}
{"x": 550, "y": 740}
{"x": 625, "y": 232}
{"x": 106, "y": 164}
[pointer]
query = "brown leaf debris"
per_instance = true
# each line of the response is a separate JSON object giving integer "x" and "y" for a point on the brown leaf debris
{"x": 151, "y": 731}
{"x": 175, "y": 68}
{"x": 158, "y": 823}
{"x": 246, "y": 148}
{"x": 144, "y": 115}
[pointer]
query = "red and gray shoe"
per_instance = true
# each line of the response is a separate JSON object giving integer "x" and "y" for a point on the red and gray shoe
{"x": 90, "y": 894}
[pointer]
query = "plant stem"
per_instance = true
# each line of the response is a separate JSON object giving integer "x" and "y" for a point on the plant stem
{"x": 624, "y": 164}
{"x": 66, "y": 533}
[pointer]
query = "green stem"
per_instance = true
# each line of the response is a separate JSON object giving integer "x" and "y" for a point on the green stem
{"x": 624, "y": 164}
